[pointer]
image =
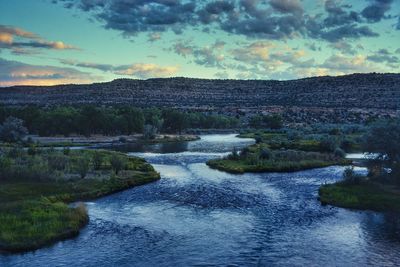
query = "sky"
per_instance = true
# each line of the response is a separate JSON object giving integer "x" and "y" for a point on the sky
{"x": 48, "y": 42}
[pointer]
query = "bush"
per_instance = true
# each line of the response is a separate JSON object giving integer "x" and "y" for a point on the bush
{"x": 82, "y": 166}
{"x": 340, "y": 153}
{"x": 327, "y": 144}
{"x": 351, "y": 177}
{"x": 234, "y": 155}
{"x": 66, "y": 151}
{"x": 118, "y": 163}
{"x": 149, "y": 132}
{"x": 245, "y": 151}
{"x": 12, "y": 130}
{"x": 97, "y": 160}
{"x": 58, "y": 162}
{"x": 265, "y": 154}
{"x": 32, "y": 150}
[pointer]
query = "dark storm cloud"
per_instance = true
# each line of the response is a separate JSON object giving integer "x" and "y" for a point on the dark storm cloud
{"x": 351, "y": 31}
{"x": 272, "y": 19}
{"x": 132, "y": 17}
{"x": 375, "y": 12}
{"x": 213, "y": 10}
{"x": 338, "y": 15}
{"x": 287, "y": 6}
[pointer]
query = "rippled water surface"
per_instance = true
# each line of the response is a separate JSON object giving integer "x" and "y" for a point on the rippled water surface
{"x": 196, "y": 216}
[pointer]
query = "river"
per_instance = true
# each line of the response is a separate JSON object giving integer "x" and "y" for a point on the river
{"x": 196, "y": 216}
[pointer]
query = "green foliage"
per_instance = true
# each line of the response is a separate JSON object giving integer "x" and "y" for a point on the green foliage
{"x": 57, "y": 161}
{"x": 82, "y": 166}
{"x": 118, "y": 163}
{"x": 339, "y": 153}
{"x": 12, "y": 130}
{"x": 97, "y": 160}
{"x": 351, "y": 177}
{"x": 263, "y": 160}
{"x": 328, "y": 144}
{"x": 384, "y": 140}
{"x": 363, "y": 195}
{"x": 87, "y": 120}
{"x": 274, "y": 121}
{"x": 32, "y": 210}
{"x": 32, "y": 224}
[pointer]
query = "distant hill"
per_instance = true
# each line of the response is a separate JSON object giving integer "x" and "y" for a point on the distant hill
{"x": 364, "y": 91}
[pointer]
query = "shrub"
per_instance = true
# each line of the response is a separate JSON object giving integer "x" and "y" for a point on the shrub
{"x": 149, "y": 132}
{"x": 258, "y": 139}
{"x": 234, "y": 155}
{"x": 265, "y": 154}
{"x": 57, "y": 162}
{"x": 32, "y": 150}
{"x": 82, "y": 166}
{"x": 66, "y": 150}
{"x": 327, "y": 144}
{"x": 15, "y": 152}
{"x": 351, "y": 177}
{"x": 245, "y": 151}
{"x": 12, "y": 130}
{"x": 97, "y": 160}
{"x": 117, "y": 163}
{"x": 340, "y": 153}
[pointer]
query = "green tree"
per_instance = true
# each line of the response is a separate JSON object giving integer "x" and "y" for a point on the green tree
{"x": 12, "y": 130}
{"x": 383, "y": 139}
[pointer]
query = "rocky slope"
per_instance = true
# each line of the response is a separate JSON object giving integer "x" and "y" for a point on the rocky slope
{"x": 364, "y": 91}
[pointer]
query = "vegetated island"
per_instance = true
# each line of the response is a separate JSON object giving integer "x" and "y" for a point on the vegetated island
{"x": 36, "y": 186}
{"x": 380, "y": 189}
{"x": 289, "y": 150}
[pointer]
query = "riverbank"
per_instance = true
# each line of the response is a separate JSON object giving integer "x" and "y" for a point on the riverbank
{"x": 362, "y": 196}
{"x": 34, "y": 211}
{"x": 93, "y": 140}
{"x": 243, "y": 166}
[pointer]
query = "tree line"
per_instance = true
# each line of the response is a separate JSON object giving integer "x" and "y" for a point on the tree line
{"x": 87, "y": 120}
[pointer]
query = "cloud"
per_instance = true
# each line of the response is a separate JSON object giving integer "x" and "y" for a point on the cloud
{"x": 23, "y": 42}
{"x": 221, "y": 75}
{"x": 383, "y": 56}
{"x": 209, "y": 56}
{"x": 398, "y": 24}
{"x": 338, "y": 15}
{"x": 146, "y": 70}
{"x": 132, "y": 17}
{"x": 375, "y": 12}
{"x": 139, "y": 70}
{"x": 340, "y": 64}
{"x": 18, "y": 73}
{"x": 154, "y": 36}
{"x": 287, "y": 6}
{"x": 344, "y": 47}
{"x": 254, "y": 52}
{"x": 273, "y": 19}
{"x": 350, "y": 31}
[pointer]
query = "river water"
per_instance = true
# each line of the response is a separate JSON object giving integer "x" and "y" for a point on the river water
{"x": 196, "y": 216}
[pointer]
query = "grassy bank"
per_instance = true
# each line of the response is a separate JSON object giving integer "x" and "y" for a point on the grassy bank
{"x": 242, "y": 166}
{"x": 262, "y": 157}
{"x": 364, "y": 196}
{"x": 34, "y": 210}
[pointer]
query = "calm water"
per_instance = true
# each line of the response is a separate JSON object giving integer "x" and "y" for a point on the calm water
{"x": 195, "y": 216}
